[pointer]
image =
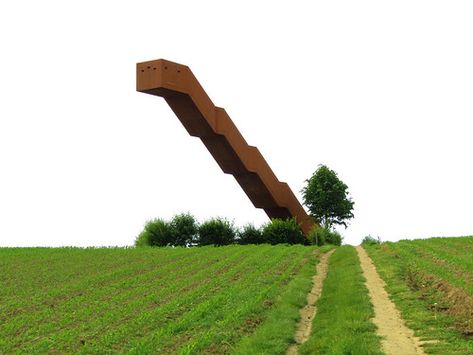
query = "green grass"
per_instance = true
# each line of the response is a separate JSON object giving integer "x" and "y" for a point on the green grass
{"x": 343, "y": 324}
{"x": 431, "y": 282}
{"x": 153, "y": 300}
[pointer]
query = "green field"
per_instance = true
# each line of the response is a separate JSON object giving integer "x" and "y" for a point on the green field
{"x": 233, "y": 299}
{"x": 145, "y": 300}
{"x": 431, "y": 282}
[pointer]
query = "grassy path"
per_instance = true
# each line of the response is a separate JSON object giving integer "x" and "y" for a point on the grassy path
{"x": 309, "y": 311}
{"x": 343, "y": 323}
{"x": 397, "y": 337}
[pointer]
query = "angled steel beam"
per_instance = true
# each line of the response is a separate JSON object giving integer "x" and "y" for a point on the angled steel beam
{"x": 186, "y": 97}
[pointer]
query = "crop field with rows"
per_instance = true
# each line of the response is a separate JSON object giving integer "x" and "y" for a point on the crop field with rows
{"x": 159, "y": 300}
{"x": 431, "y": 282}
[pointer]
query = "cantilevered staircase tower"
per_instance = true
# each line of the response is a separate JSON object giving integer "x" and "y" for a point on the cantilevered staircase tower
{"x": 183, "y": 93}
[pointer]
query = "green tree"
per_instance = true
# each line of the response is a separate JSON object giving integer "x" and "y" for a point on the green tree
{"x": 216, "y": 231}
{"x": 157, "y": 232}
{"x": 327, "y": 198}
{"x": 249, "y": 234}
{"x": 283, "y": 231}
{"x": 184, "y": 229}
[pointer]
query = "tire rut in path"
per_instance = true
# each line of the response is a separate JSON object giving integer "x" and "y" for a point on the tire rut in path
{"x": 308, "y": 312}
{"x": 397, "y": 337}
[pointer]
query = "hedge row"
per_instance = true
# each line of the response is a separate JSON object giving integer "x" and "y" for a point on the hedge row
{"x": 184, "y": 230}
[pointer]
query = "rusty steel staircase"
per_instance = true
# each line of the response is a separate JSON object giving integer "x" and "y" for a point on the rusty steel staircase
{"x": 186, "y": 97}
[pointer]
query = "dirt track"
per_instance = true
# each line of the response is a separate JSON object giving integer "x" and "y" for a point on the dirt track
{"x": 397, "y": 338}
{"x": 308, "y": 312}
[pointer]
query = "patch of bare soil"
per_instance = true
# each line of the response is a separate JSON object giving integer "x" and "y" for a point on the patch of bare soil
{"x": 453, "y": 269}
{"x": 309, "y": 310}
{"x": 448, "y": 299}
{"x": 397, "y": 337}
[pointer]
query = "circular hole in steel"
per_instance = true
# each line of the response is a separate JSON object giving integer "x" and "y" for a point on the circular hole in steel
{"x": 166, "y": 68}
{"x": 149, "y": 67}
{"x": 142, "y": 70}
{"x": 178, "y": 71}
{"x": 154, "y": 68}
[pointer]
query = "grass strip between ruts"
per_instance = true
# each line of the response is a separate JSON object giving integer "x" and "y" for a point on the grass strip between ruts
{"x": 342, "y": 324}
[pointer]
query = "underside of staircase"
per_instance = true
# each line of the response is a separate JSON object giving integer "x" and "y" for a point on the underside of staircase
{"x": 201, "y": 118}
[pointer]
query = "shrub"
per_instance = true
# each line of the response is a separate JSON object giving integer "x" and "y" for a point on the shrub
{"x": 143, "y": 240}
{"x": 283, "y": 231}
{"x": 156, "y": 232}
{"x": 369, "y": 240}
{"x": 320, "y": 236}
{"x": 250, "y": 235}
{"x": 333, "y": 237}
{"x": 217, "y": 231}
{"x": 184, "y": 229}
{"x": 317, "y": 236}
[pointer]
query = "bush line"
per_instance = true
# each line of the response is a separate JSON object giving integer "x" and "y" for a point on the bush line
{"x": 184, "y": 230}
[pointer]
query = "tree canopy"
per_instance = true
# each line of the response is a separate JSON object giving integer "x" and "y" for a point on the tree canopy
{"x": 327, "y": 198}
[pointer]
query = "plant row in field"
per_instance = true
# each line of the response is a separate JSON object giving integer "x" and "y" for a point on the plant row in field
{"x": 431, "y": 281}
{"x": 148, "y": 300}
{"x": 137, "y": 294}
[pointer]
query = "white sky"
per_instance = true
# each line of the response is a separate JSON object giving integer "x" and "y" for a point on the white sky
{"x": 380, "y": 91}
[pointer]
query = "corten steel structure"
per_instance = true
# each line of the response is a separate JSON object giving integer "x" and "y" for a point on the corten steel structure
{"x": 186, "y": 97}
